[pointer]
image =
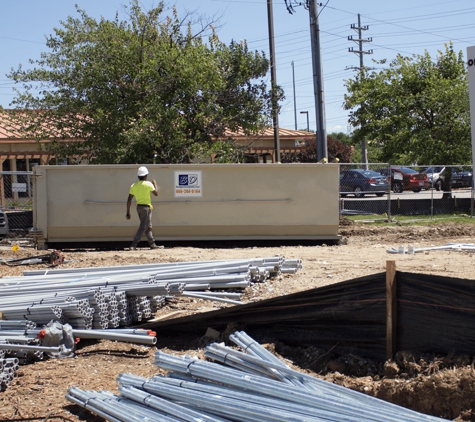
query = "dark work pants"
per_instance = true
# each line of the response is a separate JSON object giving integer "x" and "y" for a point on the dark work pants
{"x": 145, "y": 216}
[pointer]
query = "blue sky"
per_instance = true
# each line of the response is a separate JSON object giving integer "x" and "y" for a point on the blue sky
{"x": 404, "y": 27}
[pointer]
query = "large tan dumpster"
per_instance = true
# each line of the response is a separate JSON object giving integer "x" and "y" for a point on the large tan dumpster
{"x": 195, "y": 202}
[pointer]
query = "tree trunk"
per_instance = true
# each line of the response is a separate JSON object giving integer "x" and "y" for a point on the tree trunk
{"x": 447, "y": 184}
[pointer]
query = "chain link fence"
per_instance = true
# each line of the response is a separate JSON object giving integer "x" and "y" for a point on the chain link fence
{"x": 379, "y": 189}
{"x": 16, "y": 203}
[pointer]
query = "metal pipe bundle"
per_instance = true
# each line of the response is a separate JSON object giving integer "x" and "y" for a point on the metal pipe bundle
{"x": 108, "y": 297}
{"x": 8, "y": 371}
{"x": 17, "y": 325}
{"x": 456, "y": 247}
{"x": 158, "y": 266}
{"x": 263, "y": 389}
{"x": 21, "y": 345}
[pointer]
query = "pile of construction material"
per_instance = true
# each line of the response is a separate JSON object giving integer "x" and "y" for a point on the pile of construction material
{"x": 453, "y": 247}
{"x": 111, "y": 297}
{"x": 253, "y": 385}
{"x": 13, "y": 353}
{"x": 21, "y": 342}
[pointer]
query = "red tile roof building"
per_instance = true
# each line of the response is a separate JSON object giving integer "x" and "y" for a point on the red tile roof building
{"x": 18, "y": 153}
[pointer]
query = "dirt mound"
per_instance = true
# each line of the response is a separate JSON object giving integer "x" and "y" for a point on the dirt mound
{"x": 404, "y": 232}
{"x": 442, "y": 386}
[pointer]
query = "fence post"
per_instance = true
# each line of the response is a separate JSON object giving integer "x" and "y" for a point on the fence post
{"x": 391, "y": 315}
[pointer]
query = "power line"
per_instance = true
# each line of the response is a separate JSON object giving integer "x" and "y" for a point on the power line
{"x": 18, "y": 39}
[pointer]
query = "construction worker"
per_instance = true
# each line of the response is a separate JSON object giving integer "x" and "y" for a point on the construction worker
{"x": 141, "y": 191}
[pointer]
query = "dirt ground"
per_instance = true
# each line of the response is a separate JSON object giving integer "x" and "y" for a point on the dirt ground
{"x": 438, "y": 385}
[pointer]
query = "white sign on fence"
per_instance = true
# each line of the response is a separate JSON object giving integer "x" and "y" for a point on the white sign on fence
{"x": 19, "y": 187}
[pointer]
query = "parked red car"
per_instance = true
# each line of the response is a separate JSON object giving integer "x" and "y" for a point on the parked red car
{"x": 405, "y": 178}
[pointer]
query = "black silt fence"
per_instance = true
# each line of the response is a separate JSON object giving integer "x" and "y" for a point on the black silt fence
{"x": 433, "y": 315}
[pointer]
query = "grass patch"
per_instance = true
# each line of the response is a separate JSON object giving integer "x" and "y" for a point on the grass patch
{"x": 412, "y": 220}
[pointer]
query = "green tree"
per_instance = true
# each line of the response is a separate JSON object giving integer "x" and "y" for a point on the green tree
{"x": 142, "y": 89}
{"x": 341, "y": 137}
{"x": 415, "y": 111}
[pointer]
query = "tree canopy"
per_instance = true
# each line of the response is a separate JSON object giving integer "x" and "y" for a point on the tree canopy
{"x": 414, "y": 111}
{"x": 143, "y": 89}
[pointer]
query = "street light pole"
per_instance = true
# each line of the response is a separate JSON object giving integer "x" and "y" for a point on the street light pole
{"x": 308, "y": 126}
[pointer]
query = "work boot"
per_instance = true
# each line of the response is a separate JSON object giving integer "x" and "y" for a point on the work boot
{"x": 155, "y": 246}
{"x": 133, "y": 247}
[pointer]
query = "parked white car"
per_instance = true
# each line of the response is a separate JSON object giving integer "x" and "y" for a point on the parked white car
{"x": 436, "y": 176}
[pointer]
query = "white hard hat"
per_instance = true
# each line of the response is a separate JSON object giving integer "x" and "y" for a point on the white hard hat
{"x": 142, "y": 171}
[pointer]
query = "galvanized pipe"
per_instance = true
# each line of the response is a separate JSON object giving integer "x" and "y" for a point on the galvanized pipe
{"x": 92, "y": 408}
{"x": 101, "y": 335}
{"x": 209, "y": 297}
{"x": 134, "y": 408}
{"x": 89, "y": 401}
{"x": 229, "y": 394}
{"x": 263, "y": 385}
{"x": 328, "y": 389}
{"x": 174, "y": 409}
{"x": 35, "y": 348}
{"x": 158, "y": 266}
{"x": 213, "y": 402}
{"x": 74, "y": 294}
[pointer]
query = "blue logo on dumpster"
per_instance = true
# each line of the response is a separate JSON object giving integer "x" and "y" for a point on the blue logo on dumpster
{"x": 187, "y": 179}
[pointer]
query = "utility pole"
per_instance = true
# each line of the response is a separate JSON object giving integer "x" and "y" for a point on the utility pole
{"x": 275, "y": 111}
{"x": 295, "y": 100}
{"x": 321, "y": 133}
{"x": 361, "y": 53}
{"x": 322, "y": 150}
{"x": 360, "y": 41}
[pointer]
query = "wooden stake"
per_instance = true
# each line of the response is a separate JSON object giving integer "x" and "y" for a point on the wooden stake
{"x": 391, "y": 315}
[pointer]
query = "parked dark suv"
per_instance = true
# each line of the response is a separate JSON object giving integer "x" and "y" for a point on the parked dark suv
{"x": 462, "y": 178}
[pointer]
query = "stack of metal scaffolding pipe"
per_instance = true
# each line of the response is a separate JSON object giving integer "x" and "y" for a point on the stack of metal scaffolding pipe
{"x": 8, "y": 371}
{"x": 21, "y": 343}
{"x": 23, "y": 324}
{"x": 257, "y": 387}
{"x": 20, "y": 332}
{"x": 278, "y": 260}
{"x": 103, "y": 297}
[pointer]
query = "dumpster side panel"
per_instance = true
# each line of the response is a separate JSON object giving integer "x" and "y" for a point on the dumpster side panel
{"x": 235, "y": 201}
